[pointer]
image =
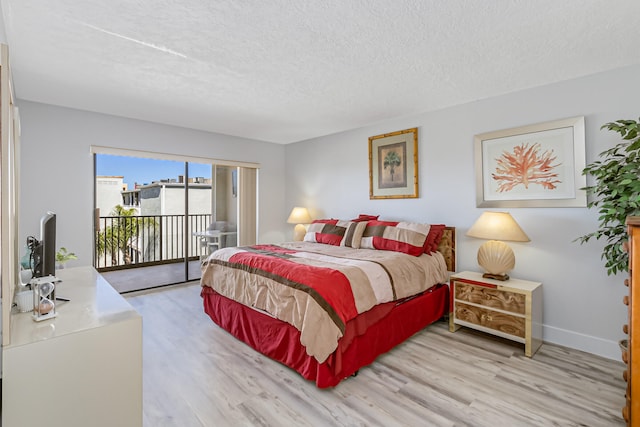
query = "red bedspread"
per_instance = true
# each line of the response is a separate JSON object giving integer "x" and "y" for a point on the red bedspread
{"x": 366, "y": 337}
{"x": 319, "y": 288}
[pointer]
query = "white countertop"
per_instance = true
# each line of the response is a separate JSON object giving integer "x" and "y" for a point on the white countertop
{"x": 93, "y": 303}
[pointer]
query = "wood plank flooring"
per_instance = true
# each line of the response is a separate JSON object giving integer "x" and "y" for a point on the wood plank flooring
{"x": 196, "y": 374}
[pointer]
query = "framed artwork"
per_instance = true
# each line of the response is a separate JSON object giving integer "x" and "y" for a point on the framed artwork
{"x": 393, "y": 165}
{"x": 538, "y": 165}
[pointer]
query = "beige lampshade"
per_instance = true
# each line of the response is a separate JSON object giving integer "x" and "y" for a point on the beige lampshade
{"x": 497, "y": 226}
{"x": 495, "y": 256}
{"x": 299, "y": 216}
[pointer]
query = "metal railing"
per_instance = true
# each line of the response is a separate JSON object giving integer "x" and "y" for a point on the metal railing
{"x": 137, "y": 241}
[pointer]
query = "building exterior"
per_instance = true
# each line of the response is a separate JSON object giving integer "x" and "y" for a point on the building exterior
{"x": 160, "y": 211}
{"x": 166, "y": 197}
{"x": 109, "y": 191}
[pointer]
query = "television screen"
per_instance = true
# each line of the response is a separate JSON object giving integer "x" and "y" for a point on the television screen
{"x": 44, "y": 252}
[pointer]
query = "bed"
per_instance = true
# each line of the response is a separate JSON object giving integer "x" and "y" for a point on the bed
{"x": 331, "y": 304}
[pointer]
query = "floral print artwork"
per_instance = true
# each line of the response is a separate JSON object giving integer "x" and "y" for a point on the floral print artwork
{"x": 526, "y": 165}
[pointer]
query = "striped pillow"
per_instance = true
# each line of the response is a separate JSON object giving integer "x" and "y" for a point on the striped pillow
{"x": 353, "y": 234}
{"x": 405, "y": 237}
{"x": 327, "y": 231}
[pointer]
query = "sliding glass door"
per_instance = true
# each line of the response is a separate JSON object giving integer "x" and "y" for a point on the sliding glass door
{"x": 157, "y": 219}
{"x": 140, "y": 217}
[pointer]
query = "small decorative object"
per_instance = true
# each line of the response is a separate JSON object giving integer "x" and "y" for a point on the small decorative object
{"x": 393, "y": 165}
{"x": 532, "y": 166}
{"x": 25, "y": 261}
{"x": 616, "y": 193}
{"x": 63, "y": 256}
{"x": 24, "y": 301}
{"x": 44, "y": 306}
{"x": 299, "y": 216}
{"x": 495, "y": 256}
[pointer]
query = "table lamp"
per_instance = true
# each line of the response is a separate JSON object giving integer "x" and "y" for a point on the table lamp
{"x": 299, "y": 216}
{"x": 495, "y": 256}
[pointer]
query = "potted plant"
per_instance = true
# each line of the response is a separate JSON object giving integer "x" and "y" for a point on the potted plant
{"x": 63, "y": 256}
{"x": 616, "y": 192}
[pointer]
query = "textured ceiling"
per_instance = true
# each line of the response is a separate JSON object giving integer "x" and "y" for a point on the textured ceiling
{"x": 290, "y": 70}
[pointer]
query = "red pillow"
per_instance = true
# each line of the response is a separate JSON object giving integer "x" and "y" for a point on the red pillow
{"x": 405, "y": 237}
{"x": 436, "y": 231}
{"x": 365, "y": 217}
{"x": 327, "y": 231}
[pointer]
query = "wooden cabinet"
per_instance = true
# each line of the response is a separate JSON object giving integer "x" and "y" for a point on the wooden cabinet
{"x": 511, "y": 309}
{"x": 631, "y": 356}
{"x": 82, "y": 368}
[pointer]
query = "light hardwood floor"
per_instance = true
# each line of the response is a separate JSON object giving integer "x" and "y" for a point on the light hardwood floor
{"x": 196, "y": 374}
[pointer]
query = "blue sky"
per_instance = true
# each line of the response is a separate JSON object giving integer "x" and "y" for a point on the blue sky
{"x": 143, "y": 171}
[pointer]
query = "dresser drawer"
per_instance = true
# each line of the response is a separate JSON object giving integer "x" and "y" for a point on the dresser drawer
{"x": 492, "y": 298}
{"x": 503, "y": 322}
{"x": 510, "y": 309}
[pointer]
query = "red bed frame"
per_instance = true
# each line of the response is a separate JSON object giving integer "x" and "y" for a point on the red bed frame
{"x": 366, "y": 337}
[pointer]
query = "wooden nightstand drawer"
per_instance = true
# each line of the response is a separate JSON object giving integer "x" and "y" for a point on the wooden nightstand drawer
{"x": 502, "y": 322}
{"x": 493, "y": 298}
{"x": 510, "y": 309}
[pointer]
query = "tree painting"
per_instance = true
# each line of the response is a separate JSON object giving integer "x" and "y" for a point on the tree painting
{"x": 392, "y": 165}
{"x": 392, "y": 160}
{"x": 526, "y": 165}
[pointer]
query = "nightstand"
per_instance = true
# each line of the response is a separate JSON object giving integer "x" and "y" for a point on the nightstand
{"x": 510, "y": 309}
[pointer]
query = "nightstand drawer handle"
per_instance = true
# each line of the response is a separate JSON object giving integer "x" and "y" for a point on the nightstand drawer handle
{"x": 486, "y": 317}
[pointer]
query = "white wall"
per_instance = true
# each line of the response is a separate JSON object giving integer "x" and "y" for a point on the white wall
{"x": 3, "y": 34}
{"x": 582, "y": 305}
{"x": 173, "y": 203}
{"x": 56, "y": 168}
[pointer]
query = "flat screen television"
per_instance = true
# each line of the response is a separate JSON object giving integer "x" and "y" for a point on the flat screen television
{"x": 44, "y": 252}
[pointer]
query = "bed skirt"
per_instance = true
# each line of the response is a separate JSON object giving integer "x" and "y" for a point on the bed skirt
{"x": 366, "y": 337}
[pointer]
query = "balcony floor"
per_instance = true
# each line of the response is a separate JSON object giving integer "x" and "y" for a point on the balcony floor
{"x": 135, "y": 279}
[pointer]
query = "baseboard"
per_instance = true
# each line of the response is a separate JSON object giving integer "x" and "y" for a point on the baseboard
{"x": 594, "y": 345}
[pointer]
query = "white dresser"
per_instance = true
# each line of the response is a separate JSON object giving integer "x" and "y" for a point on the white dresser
{"x": 82, "y": 368}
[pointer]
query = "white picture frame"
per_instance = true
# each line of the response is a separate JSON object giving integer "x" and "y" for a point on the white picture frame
{"x": 538, "y": 165}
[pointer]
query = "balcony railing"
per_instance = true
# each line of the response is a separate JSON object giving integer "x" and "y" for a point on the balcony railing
{"x": 137, "y": 241}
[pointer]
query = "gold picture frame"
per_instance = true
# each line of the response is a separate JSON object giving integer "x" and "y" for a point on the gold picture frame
{"x": 532, "y": 166}
{"x": 393, "y": 165}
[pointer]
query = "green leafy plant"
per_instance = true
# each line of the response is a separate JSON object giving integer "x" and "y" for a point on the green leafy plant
{"x": 616, "y": 193}
{"x": 117, "y": 238}
{"x": 63, "y": 256}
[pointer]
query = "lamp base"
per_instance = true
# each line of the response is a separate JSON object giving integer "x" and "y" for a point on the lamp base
{"x": 501, "y": 277}
{"x": 496, "y": 258}
{"x": 298, "y": 232}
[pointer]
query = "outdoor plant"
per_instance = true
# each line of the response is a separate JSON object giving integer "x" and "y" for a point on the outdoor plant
{"x": 119, "y": 238}
{"x": 63, "y": 256}
{"x": 616, "y": 193}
